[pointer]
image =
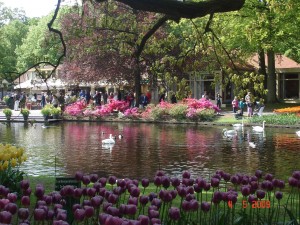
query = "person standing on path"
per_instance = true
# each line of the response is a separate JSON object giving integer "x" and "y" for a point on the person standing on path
{"x": 235, "y": 104}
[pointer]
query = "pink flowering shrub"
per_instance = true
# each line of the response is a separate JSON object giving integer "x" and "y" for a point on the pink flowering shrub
{"x": 117, "y": 105}
{"x": 76, "y": 108}
{"x": 102, "y": 111}
{"x": 132, "y": 113}
{"x": 200, "y": 104}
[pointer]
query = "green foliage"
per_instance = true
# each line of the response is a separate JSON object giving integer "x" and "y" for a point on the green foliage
{"x": 206, "y": 115}
{"x": 25, "y": 112}
{"x": 280, "y": 119}
{"x": 55, "y": 111}
{"x": 6, "y": 99}
{"x": 46, "y": 111}
{"x": 7, "y": 112}
{"x": 178, "y": 111}
{"x": 157, "y": 113}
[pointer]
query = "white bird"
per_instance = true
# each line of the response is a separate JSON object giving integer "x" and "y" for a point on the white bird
{"x": 120, "y": 136}
{"x": 229, "y": 133}
{"x": 110, "y": 140}
{"x": 259, "y": 128}
{"x": 237, "y": 125}
{"x": 252, "y": 144}
{"x": 298, "y": 133}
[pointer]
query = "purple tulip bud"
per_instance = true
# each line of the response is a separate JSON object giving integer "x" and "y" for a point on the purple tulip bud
{"x": 194, "y": 205}
{"x": 94, "y": 178}
{"x": 77, "y": 193}
{"x": 47, "y": 199}
{"x": 78, "y": 175}
{"x": 217, "y": 197}
{"x": 197, "y": 188}
{"x": 245, "y": 180}
{"x": 253, "y": 178}
{"x": 165, "y": 181}
{"x": 144, "y": 220}
{"x": 152, "y": 196}
{"x": 186, "y": 174}
{"x": 135, "y": 182}
{"x": 86, "y": 180}
{"x": 50, "y": 214}
{"x": 245, "y": 190}
{"x": 89, "y": 211}
{"x": 39, "y": 214}
{"x": 75, "y": 207}
{"x": 61, "y": 215}
{"x": 12, "y": 197}
{"x": 86, "y": 202}
{"x": 202, "y": 183}
{"x": 91, "y": 192}
{"x": 5, "y": 217}
{"x": 112, "y": 198}
{"x": 27, "y": 191}
{"x": 175, "y": 182}
{"x": 153, "y": 214}
{"x": 24, "y": 184}
{"x": 106, "y": 205}
{"x": 207, "y": 187}
{"x": 132, "y": 201}
{"x": 218, "y": 176}
{"x": 281, "y": 184}
{"x": 130, "y": 209}
{"x": 260, "y": 194}
{"x": 135, "y": 192}
{"x": 57, "y": 207}
{"x": 224, "y": 196}
{"x": 185, "y": 205}
{"x": 189, "y": 197}
{"x": 121, "y": 183}
{"x": 25, "y": 201}
{"x": 267, "y": 185}
{"x": 23, "y": 213}
{"x": 205, "y": 206}
{"x": 234, "y": 179}
{"x": 293, "y": 182}
{"x": 215, "y": 182}
{"x": 160, "y": 173}
{"x": 182, "y": 191}
{"x": 156, "y": 202}
{"x": 39, "y": 191}
{"x": 144, "y": 200}
{"x": 174, "y": 213}
{"x": 145, "y": 182}
{"x": 258, "y": 173}
{"x": 56, "y": 197}
{"x": 112, "y": 180}
{"x": 60, "y": 222}
{"x": 96, "y": 201}
{"x": 103, "y": 217}
{"x": 226, "y": 177}
{"x": 155, "y": 221}
{"x": 252, "y": 198}
{"x": 296, "y": 174}
{"x": 269, "y": 177}
{"x": 103, "y": 181}
{"x": 278, "y": 195}
{"x": 232, "y": 197}
{"x": 157, "y": 181}
{"x": 11, "y": 207}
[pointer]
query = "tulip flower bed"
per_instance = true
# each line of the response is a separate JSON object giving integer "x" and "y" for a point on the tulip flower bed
{"x": 188, "y": 109}
{"x": 295, "y": 110}
{"x": 224, "y": 199}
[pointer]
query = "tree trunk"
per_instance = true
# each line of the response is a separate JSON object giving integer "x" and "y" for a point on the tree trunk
{"x": 271, "y": 81}
{"x": 262, "y": 66}
{"x": 137, "y": 82}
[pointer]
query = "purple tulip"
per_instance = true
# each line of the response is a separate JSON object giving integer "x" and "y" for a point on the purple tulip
{"x": 152, "y": 196}
{"x": 97, "y": 186}
{"x": 193, "y": 205}
{"x": 106, "y": 205}
{"x": 27, "y": 191}
{"x": 86, "y": 202}
{"x": 96, "y": 201}
{"x": 186, "y": 174}
{"x": 5, "y": 217}
{"x": 103, "y": 217}
{"x": 144, "y": 220}
{"x": 253, "y": 178}
{"x": 155, "y": 221}
{"x": 260, "y": 194}
{"x": 112, "y": 180}
{"x": 48, "y": 199}
{"x": 258, "y": 173}
{"x": 252, "y": 198}
{"x": 165, "y": 180}
{"x": 135, "y": 192}
{"x": 145, "y": 182}
{"x": 23, "y": 213}
{"x": 75, "y": 207}
{"x": 296, "y": 174}
{"x": 91, "y": 192}
{"x": 50, "y": 214}
{"x": 281, "y": 184}
{"x": 217, "y": 197}
{"x": 86, "y": 180}
{"x": 218, "y": 176}
{"x": 182, "y": 191}
{"x": 185, "y": 205}
{"x": 113, "y": 211}
{"x": 135, "y": 182}
{"x": 77, "y": 193}
{"x": 205, "y": 206}
{"x": 235, "y": 179}
{"x": 267, "y": 185}
{"x": 56, "y": 197}
{"x": 25, "y": 201}
{"x": 57, "y": 207}
{"x": 224, "y": 196}
{"x": 94, "y": 178}
{"x": 24, "y": 184}
{"x": 189, "y": 197}
{"x": 89, "y": 211}
{"x": 245, "y": 190}
{"x": 153, "y": 214}
{"x": 278, "y": 195}
{"x": 133, "y": 201}
{"x": 11, "y": 207}
{"x": 39, "y": 214}
{"x": 207, "y": 187}
{"x": 226, "y": 177}
{"x": 12, "y": 197}
{"x": 201, "y": 182}
{"x": 159, "y": 173}
{"x": 232, "y": 197}
{"x": 39, "y": 191}
{"x": 157, "y": 181}
{"x": 103, "y": 181}
{"x": 174, "y": 213}
{"x": 60, "y": 222}
{"x": 215, "y": 182}
{"x": 144, "y": 200}
{"x": 78, "y": 175}
{"x": 269, "y": 177}
{"x": 130, "y": 209}
{"x": 245, "y": 180}
{"x": 61, "y": 215}
{"x": 293, "y": 182}
{"x": 175, "y": 182}
{"x": 156, "y": 202}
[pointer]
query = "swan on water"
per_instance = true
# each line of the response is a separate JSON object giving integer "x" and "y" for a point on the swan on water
{"x": 252, "y": 144}
{"x": 298, "y": 133}
{"x": 239, "y": 124}
{"x": 229, "y": 133}
{"x": 110, "y": 140}
{"x": 259, "y": 128}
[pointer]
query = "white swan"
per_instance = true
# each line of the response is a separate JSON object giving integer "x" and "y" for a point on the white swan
{"x": 229, "y": 133}
{"x": 259, "y": 128}
{"x": 298, "y": 133}
{"x": 252, "y": 144}
{"x": 110, "y": 140}
{"x": 237, "y": 125}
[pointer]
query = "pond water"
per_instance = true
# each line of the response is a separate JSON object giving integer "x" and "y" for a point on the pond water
{"x": 62, "y": 149}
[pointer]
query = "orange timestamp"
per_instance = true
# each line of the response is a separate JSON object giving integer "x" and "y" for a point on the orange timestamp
{"x": 257, "y": 204}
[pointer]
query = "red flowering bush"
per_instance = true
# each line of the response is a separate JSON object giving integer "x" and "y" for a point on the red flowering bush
{"x": 76, "y": 108}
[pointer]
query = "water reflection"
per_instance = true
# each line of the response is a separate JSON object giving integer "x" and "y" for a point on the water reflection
{"x": 145, "y": 148}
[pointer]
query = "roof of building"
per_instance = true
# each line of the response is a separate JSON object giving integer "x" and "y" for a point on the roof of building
{"x": 281, "y": 62}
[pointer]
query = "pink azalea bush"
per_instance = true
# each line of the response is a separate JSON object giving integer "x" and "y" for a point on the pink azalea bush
{"x": 76, "y": 108}
{"x": 132, "y": 113}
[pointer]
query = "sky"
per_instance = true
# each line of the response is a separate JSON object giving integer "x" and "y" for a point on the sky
{"x": 33, "y": 8}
